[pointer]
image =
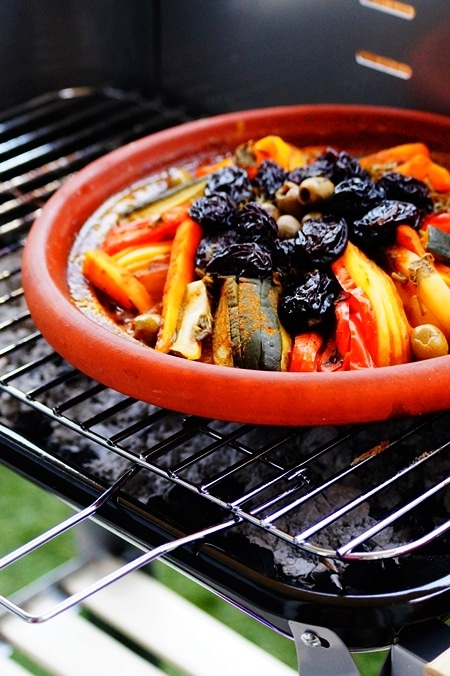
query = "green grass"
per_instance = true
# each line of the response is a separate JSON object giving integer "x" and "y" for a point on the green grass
{"x": 27, "y": 511}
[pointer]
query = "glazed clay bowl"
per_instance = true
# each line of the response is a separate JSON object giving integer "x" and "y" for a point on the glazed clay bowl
{"x": 203, "y": 389}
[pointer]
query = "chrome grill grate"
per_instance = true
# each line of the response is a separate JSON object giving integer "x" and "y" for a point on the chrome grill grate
{"x": 345, "y": 494}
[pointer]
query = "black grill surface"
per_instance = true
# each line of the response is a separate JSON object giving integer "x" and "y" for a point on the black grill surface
{"x": 308, "y": 520}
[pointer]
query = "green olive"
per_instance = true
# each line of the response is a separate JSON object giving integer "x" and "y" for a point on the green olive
{"x": 428, "y": 341}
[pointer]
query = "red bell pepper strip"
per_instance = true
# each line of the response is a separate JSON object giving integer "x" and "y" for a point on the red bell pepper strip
{"x": 440, "y": 221}
{"x": 350, "y": 336}
{"x": 361, "y": 307}
{"x": 305, "y": 352}
{"x": 154, "y": 228}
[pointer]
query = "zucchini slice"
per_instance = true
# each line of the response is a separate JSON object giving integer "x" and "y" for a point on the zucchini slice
{"x": 247, "y": 332}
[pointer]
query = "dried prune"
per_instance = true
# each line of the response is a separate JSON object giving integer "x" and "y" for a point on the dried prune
{"x": 307, "y": 301}
{"x": 253, "y": 223}
{"x": 210, "y": 245}
{"x": 407, "y": 189}
{"x": 232, "y": 181}
{"x": 335, "y": 165}
{"x": 214, "y": 212}
{"x": 269, "y": 177}
{"x": 290, "y": 254}
{"x": 355, "y": 196}
{"x": 378, "y": 227}
{"x": 324, "y": 239}
{"x": 246, "y": 259}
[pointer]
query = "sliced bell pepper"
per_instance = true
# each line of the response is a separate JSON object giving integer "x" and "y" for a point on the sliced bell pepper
{"x": 305, "y": 352}
{"x": 440, "y": 221}
{"x": 432, "y": 290}
{"x": 275, "y": 148}
{"x": 152, "y": 228}
{"x": 350, "y": 336}
{"x": 389, "y": 340}
{"x": 181, "y": 271}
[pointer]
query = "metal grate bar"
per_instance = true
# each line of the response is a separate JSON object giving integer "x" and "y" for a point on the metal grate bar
{"x": 269, "y": 478}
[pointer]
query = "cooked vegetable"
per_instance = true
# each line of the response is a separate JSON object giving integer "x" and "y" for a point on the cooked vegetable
{"x": 278, "y": 150}
{"x": 115, "y": 281}
{"x": 440, "y": 220}
{"x": 438, "y": 243}
{"x": 432, "y": 290}
{"x": 351, "y": 342}
{"x": 247, "y": 332}
{"x": 428, "y": 341}
{"x": 156, "y": 221}
{"x": 394, "y": 155}
{"x": 306, "y": 352}
{"x": 290, "y": 246}
{"x": 194, "y": 321}
{"x": 146, "y": 327}
{"x": 180, "y": 273}
{"x": 392, "y": 344}
{"x": 138, "y": 258}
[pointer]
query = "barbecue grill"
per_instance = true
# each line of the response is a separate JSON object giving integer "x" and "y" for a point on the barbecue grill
{"x": 337, "y": 537}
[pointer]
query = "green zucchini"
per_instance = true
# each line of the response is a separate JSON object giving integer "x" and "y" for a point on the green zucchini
{"x": 247, "y": 332}
{"x": 438, "y": 243}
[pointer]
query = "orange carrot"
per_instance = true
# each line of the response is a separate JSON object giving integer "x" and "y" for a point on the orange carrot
{"x": 396, "y": 154}
{"x": 115, "y": 281}
{"x": 439, "y": 177}
{"x": 181, "y": 271}
{"x": 408, "y": 237}
{"x": 417, "y": 166}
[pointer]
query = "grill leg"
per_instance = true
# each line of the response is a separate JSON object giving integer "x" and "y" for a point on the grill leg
{"x": 321, "y": 653}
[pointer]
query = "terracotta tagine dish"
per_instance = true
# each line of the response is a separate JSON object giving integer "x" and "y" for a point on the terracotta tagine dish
{"x": 101, "y": 349}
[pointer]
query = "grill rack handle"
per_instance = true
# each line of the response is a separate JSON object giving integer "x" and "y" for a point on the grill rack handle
{"x": 81, "y": 516}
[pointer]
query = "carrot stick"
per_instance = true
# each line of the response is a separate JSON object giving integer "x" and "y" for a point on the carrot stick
{"x": 181, "y": 271}
{"x": 439, "y": 177}
{"x": 417, "y": 166}
{"x": 396, "y": 154}
{"x": 408, "y": 237}
{"x": 115, "y": 281}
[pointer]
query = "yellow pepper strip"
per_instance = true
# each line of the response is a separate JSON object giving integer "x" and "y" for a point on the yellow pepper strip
{"x": 275, "y": 148}
{"x": 432, "y": 291}
{"x": 415, "y": 310}
{"x": 393, "y": 330}
{"x": 115, "y": 281}
{"x": 180, "y": 273}
{"x": 137, "y": 258}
